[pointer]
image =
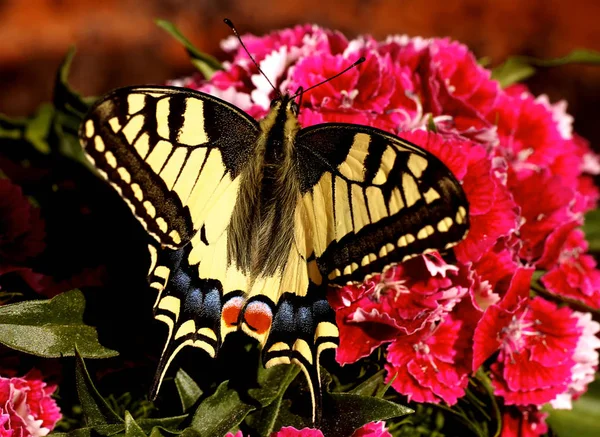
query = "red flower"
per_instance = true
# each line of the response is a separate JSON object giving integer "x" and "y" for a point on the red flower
{"x": 523, "y": 422}
{"x": 373, "y": 429}
{"x": 575, "y": 275}
{"x": 290, "y": 431}
{"x": 26, "y": 408}
{"x": 403, "y": 300}
{"x": 536, "y": 340}
{"x": 433, "y": 364}
{"x": 21, "y": 228}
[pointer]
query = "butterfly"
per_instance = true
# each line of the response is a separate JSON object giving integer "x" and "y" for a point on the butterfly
{"x": 252, "y": 221}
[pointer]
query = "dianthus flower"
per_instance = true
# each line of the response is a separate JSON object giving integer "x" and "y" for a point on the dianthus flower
{"x": 523, "y": 422}
{"x": 373, "y": 429}
{"x": 26, "y": 408}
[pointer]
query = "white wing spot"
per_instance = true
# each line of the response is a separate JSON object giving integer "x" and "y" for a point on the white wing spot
{"x": 110, "y": 159}
{"x": 425, "y": 232}
{"x": 162, "y": 224}
{"x": 444, "y": 224}
{"x": 149, "y": 208}
{"x": 99, "y": 144}
{"x": 89, "y": 128}
{"x": 124, "y": 175}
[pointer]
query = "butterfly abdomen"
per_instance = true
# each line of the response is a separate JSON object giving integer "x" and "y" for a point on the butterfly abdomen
{"x": 261, "y": 230}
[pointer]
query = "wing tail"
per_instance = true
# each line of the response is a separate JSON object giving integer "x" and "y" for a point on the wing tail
{"x": 191, "y": 308}
{"x": 303, "y": 327}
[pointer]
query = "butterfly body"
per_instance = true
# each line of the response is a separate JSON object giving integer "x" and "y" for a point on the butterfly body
{"x": 262, "y": 224}
{"x": 252, "y": 221}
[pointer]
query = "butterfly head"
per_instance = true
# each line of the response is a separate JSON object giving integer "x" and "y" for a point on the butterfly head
{"x": 287, "y": 103}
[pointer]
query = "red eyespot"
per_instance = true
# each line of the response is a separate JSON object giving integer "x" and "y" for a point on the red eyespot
{"x": 231, "y": 311}
{"x": 258, "y": 317}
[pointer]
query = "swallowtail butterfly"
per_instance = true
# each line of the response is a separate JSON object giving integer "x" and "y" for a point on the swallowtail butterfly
{"x": 252, "y": 221}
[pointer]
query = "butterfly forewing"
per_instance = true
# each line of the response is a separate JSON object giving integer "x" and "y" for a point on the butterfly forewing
{"x": 173, "y": 155}
{"x": 371, "y": 199}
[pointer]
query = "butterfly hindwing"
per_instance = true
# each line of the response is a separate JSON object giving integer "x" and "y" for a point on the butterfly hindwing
{"x": 371, "y": 199}
{"x": 172, "y": 154}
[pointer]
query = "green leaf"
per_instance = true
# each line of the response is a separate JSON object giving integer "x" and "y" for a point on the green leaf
{"x": 132, "y": 429}
{"x": 12, "y": 128}
{"x": 70, "y": 107}
{"x": 161, "y": 432}
{"x": 514, "y": 69}
{"x": 205, "y": 63}
{"x": 38, "y": 128}
{"x": 34, "y": 129}
{"x": 519, "y": 68}
{"x": 582, "y": 420}
{"x": 219, "y": 412}
{"x": 96, "y": 410}
{"x": 95, "y": 431}
{"x": 272, "y": 382}
{"x": 343, "y": 413}
{"x": 370, "y": 386}
{"x": 225, "y": 409}
{"x": 164, "y": 423}
{"x": 591, "y": 228}
{"x": 265, "y": 421}
{"x": 188, "y": 390}
{"x": 51, "y": 328}
{"x": 65, "y": 99}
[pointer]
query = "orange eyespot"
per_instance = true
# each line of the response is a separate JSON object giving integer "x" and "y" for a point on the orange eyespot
{"x": 231, "y": 311}
{"x": 258, "y": 317}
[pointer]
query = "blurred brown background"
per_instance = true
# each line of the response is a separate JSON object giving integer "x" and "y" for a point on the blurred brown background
{"x": 118, "y": 42}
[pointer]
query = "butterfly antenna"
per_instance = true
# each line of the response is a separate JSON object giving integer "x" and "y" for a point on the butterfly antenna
{"x": 235, "y": 32}
{"x": 359, "y": 61}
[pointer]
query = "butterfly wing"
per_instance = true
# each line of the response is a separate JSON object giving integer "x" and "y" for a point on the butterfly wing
{"x": 174, "y": 156}
{"x": 371, "y": 199}
{"x": 368, "y": 199}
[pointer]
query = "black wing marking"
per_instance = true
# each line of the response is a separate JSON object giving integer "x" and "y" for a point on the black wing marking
{"x": 372, "y": 199}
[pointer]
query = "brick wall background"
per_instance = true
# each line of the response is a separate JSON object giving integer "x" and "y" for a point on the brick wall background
{"x": 119, "y": 44}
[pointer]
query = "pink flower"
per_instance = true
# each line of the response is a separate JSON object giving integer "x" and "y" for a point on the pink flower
{"x": 290, "y": 431}
{"x": 523, "y": 422}
{"x": 26, "y": 408}
{"x": 529, "y": 137}
{"x": 575, "y": 275}
{"x": 536, "y": 342}
{"x": 586, "y": 361}
{"x": 433, "y": 364}
{"x": 403, "y": 300}
{"x": 545, "y": 207}
{"x": 373, "y": 429}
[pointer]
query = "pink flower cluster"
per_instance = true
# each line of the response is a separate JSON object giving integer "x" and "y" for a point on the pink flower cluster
{"x": 528, "y": 180}
{"x": 26, "y": 408}
{"x": 373, "y": 429}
